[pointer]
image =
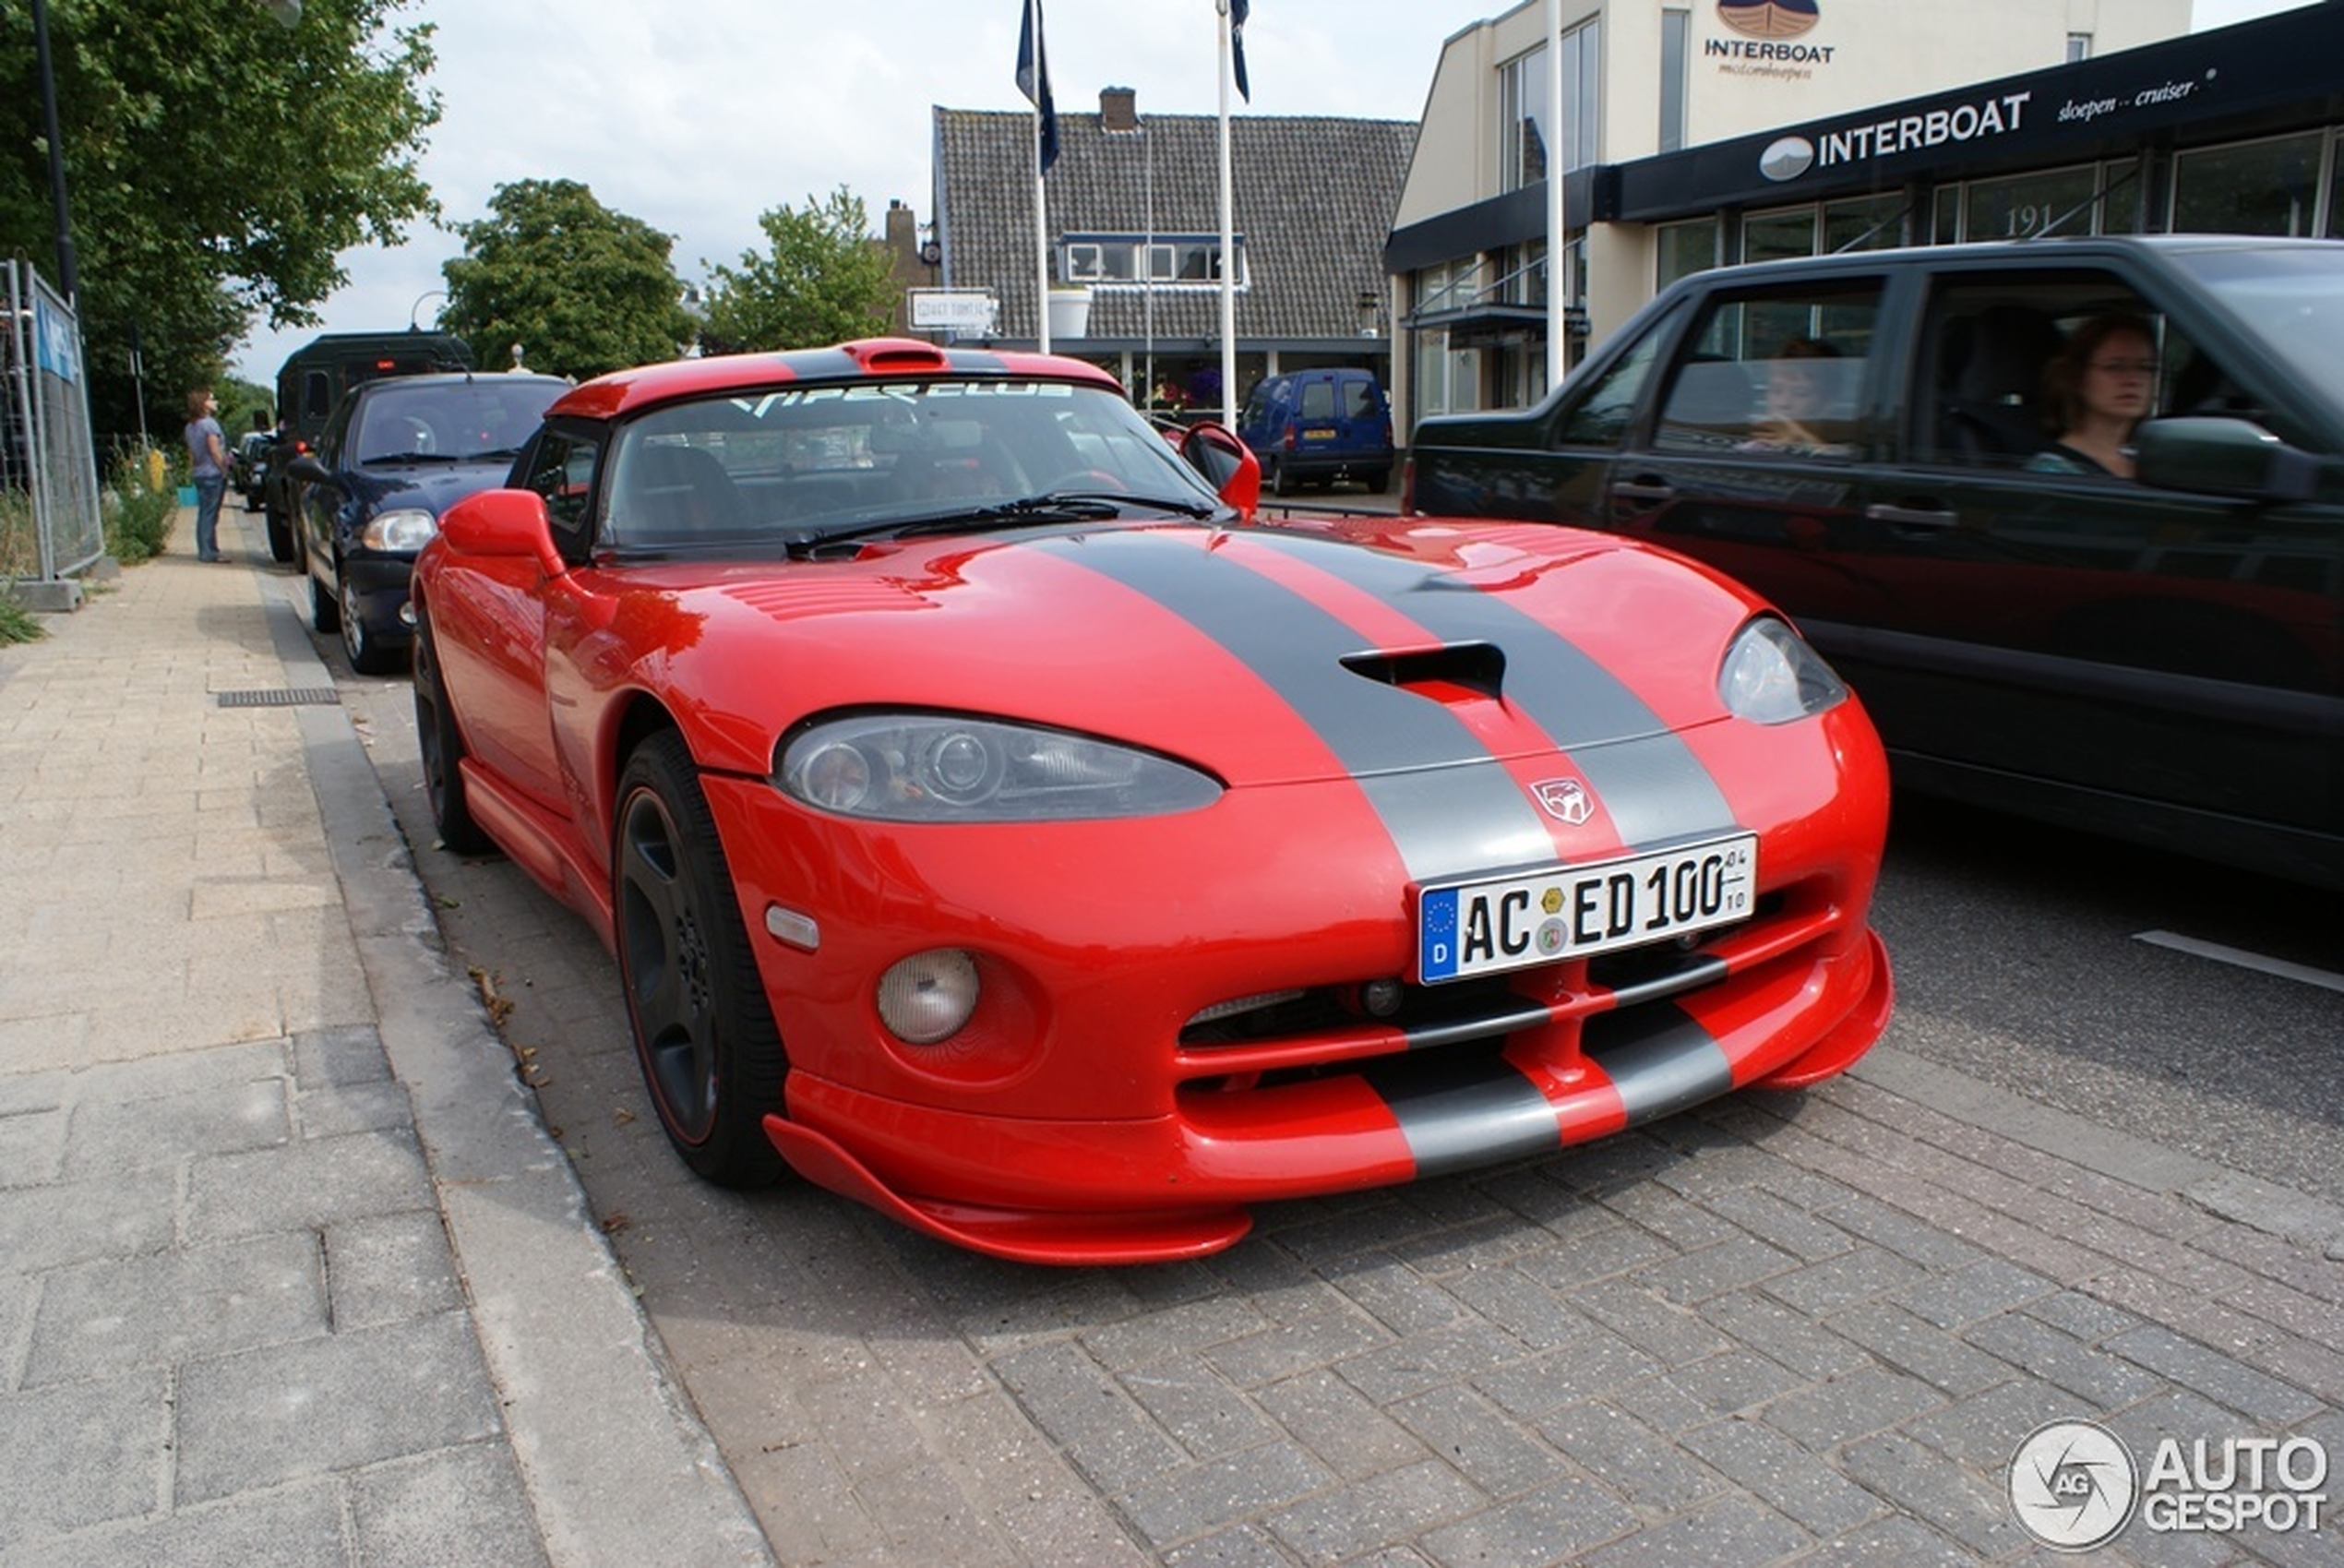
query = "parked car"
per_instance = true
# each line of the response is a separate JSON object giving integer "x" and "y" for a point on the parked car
{"x": 395, "y": 455}
{"x": 312, "y": 381}
{"x": 248, "y": 465}
{"x": 993, "y": 827}
{"x": 2159, "y": 657}
{"x": 1317, "y": 426}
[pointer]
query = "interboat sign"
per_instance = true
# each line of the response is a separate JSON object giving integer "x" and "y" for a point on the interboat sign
{"x": 1790, "y": 157}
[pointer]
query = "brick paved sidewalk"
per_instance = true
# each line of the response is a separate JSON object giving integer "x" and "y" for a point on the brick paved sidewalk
{"x": 235, "y": 1136}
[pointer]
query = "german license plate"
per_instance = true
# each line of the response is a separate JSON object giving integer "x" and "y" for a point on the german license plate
{"x": 1491, "y": 924}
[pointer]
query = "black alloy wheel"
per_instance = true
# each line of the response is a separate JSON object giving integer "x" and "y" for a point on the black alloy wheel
{"x": 443, "y": 750}
{"x": 704, "y": 1033}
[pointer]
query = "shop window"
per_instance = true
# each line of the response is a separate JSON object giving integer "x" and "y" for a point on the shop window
{"x": 1866, "y": 222}
{"x": 1774, "y": 236}
{"x": 2261, "y": 187}
{"x": 2058, "y": 201}
{"x": 1687, "y": 248}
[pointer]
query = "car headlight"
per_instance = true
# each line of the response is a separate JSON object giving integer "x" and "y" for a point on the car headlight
{"x": 1771, "y": 677}
{"x": 407, "y": 530}
{"x": 947, "y": 768}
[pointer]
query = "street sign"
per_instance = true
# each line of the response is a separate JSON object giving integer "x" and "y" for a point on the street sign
{"x": 954, "y": 310}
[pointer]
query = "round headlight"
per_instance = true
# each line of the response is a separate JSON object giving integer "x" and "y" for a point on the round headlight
{"x": 925, "y": 998}
{"x": 960, "y": 767}
{"x": 836, "y": 775}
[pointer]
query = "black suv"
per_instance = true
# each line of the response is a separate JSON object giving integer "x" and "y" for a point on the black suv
{"x": 2159, "y": 657}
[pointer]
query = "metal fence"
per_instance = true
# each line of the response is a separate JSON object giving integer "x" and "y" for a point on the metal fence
{"x": 50, "y": 524}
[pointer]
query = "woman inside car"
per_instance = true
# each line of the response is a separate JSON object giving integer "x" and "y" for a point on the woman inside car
{"x": 2098, "y": 386}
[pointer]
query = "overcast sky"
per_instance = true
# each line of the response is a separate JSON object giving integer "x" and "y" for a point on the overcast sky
{"x": 697, "y": 118}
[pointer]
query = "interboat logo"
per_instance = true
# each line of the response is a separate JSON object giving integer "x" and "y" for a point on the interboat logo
{"x": 1768, "y": 18}
{"x": 1786, "y": 157}
{"x": 2073, "y": 1485}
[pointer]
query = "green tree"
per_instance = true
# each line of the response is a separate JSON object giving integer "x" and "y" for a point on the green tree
{"x": 582, "y": 288}
{"x": 217, "y": 165}
{"x": 823, "y": 280}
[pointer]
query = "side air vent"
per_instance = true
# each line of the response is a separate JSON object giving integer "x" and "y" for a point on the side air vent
{"x": 1436, "y": 672}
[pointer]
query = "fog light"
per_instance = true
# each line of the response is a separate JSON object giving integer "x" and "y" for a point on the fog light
{"x": 926, "y": 998}
{"x": 1381, "y": 998}
{"x": 407, "y": 614}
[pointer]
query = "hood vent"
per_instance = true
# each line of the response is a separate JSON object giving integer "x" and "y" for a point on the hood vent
{"x": 1442, "y": 674}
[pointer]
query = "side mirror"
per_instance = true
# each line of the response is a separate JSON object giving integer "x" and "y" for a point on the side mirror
{"x": 511, "y": 524}
{"x": 1227, "y": 464}
{"x": 2223, "y": 456}
{"x": 310, "y": 471}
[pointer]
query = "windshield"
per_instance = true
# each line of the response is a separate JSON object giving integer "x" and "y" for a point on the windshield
{"x": 485, "y": 417}
{"x": 2292, "y": 296}
{"x": 795, "y": 465}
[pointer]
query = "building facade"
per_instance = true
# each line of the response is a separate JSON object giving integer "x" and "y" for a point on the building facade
{"x": 1672, "y": 111}
{"x": 1133, "y": 223}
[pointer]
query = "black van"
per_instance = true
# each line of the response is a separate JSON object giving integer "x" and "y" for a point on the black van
{"x": 312, "y": 381}
{"x": 1316, "y": 426}
{"x": 2158, "y": 656}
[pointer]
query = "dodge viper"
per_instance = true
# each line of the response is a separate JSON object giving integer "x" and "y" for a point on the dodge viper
{"x": 997, "y": 822}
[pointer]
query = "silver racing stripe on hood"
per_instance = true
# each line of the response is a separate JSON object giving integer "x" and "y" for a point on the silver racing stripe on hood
{"x": 1650, "y": 782}
{"x": 1448, "y": 806}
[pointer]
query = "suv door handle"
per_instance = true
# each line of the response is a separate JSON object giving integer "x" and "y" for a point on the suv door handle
{"x": 1913, "y": 517}
{"x": 1644, "y": 490}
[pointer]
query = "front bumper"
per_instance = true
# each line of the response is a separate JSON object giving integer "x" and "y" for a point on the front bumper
{"x": 1083, "y": 1117}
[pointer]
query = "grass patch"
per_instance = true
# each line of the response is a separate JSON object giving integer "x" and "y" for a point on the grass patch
{"x": 17, "y": 623}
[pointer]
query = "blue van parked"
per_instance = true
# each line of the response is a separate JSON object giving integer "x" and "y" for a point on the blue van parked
{"x": 1316, "y": 426}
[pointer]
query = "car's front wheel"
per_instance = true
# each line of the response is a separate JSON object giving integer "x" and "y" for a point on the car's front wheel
{"x": 442, "y": 748}
{"x": 704, "y": 1033}
{"x": 280, "y": 544}
{"x": 367, "y": 654}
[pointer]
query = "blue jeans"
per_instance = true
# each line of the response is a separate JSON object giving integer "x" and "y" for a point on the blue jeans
{"x": 210, "y": 488}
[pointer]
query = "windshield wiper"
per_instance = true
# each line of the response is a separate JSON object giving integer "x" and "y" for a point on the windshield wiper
{"x": 406, "y": 457}
{"x": 1185, "y": 508}
{"x": 1060, "y": 508}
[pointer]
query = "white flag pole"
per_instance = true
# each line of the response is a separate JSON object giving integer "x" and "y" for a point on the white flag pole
{"x": 1228, "y": 245}
{"x": 1557, "y": 282}
{"x": 1041, "y": 213}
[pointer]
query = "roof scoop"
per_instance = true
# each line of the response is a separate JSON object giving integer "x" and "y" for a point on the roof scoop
{"x": 1444, "y": 674}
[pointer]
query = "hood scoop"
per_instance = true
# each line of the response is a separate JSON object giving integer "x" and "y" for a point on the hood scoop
{"x": 1444, "y": 675}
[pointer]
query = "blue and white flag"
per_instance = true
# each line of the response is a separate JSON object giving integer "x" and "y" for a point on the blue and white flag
{"x": 1237, "y": 8}
{"x": 1033, "y": 79}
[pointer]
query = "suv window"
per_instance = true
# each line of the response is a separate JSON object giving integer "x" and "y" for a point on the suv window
{"x": 1779, "y": 372}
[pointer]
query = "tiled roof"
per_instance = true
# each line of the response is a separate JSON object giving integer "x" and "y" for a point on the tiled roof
{"x": 1313, "y": 199}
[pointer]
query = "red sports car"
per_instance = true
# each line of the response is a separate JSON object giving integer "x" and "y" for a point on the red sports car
{"x": 994, "y": 823}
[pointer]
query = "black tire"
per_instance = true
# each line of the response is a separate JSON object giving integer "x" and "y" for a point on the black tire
{"x": 325, "y": 612}
{"x": 1280, "y": 480}
{"x": 704, "y": 1033}
{"x": 367, "y": 654}
{"x": 281, "y": 548}
{"x": 1378, "y": 479}
{"x": 443, "y": 748}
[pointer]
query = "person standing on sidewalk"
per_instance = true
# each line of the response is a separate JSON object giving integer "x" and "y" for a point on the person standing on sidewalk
{"x": 208, "y": 461}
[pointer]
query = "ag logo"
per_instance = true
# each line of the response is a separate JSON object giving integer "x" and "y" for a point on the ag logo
{"x": 1566, "y": 800}
{"x": 1768, "y": 18}
{"x": 2073, "y": 1485}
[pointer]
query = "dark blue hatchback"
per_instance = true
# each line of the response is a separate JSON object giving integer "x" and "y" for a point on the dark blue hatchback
{"x": 394, "y": 455}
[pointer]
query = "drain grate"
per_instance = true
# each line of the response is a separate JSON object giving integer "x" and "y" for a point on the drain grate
{"x": 294, "y": 697}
